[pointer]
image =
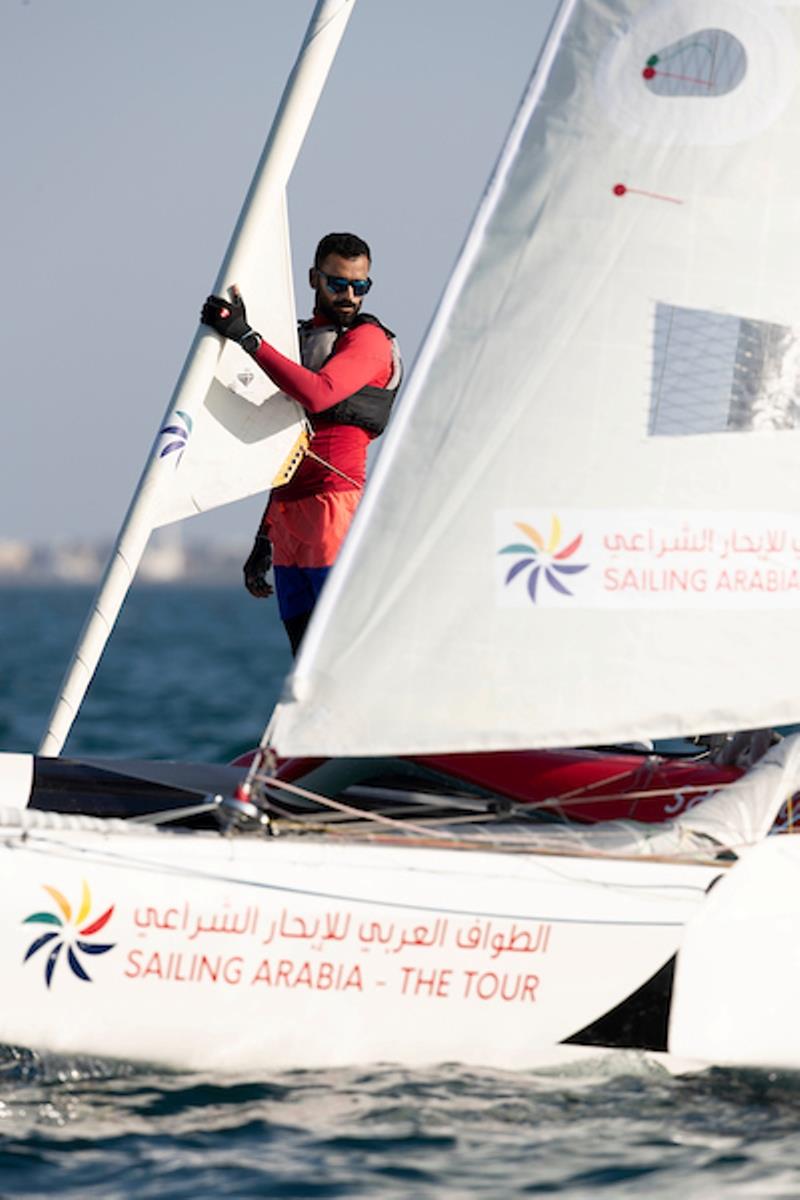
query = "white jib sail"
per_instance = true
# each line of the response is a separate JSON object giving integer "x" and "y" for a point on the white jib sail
{"x": 584, "y": 525}
{"x": 227, "y": 432}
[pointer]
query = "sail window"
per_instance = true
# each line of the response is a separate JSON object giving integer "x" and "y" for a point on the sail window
{"x": 708, "y": 63}
{"x": 716, "y": 372}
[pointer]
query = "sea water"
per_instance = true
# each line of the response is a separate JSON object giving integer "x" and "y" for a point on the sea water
{"x": 193, "y": 673}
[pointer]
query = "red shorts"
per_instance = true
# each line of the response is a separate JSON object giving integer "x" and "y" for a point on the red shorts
{"x": 309, "y": 532}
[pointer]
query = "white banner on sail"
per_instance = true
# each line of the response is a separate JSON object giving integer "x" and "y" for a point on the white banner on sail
{"x": 619, "y": 347}
{"x": 647, "y": 560}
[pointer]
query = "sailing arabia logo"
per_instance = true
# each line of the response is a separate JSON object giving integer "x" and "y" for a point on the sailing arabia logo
{"x": 543, "y": 558}
{"x": 74, "y": 940}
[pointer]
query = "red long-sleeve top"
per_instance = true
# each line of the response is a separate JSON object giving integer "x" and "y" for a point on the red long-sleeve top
{"x": 363, "y": 358}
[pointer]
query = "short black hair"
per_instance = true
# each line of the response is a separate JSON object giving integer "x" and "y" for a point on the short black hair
{"x": 347, "y": 245}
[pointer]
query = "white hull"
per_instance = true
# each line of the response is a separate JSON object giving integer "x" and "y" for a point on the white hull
{"x": 736, "y": 984}
{"x": 243, "y": 953}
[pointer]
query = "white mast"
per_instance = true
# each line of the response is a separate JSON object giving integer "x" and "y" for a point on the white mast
{"x": 289, "y": 127}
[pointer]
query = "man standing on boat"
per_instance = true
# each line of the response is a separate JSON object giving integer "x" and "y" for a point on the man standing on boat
{"x": 348, "y": 379}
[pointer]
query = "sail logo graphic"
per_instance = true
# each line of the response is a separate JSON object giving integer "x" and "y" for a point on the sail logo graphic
{"x": 68, "y": 934}
{"x": 176, "y": 435}
{"x": 540, "y": 559}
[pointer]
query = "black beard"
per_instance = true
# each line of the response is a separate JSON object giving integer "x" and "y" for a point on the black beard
{"x": 328, "y": 309}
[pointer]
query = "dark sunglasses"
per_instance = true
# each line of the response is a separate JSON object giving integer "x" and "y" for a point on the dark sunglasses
{"x": 337, "y": 284}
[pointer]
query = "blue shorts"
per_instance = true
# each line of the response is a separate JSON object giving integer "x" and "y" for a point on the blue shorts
{"x": 297, "y": 589}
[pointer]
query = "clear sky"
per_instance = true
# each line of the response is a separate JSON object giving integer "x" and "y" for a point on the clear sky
{"x": 129, "y": 134}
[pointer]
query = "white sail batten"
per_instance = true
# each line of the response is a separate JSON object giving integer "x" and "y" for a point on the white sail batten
{"x": 585, "y": 525}
{"x": 227, "y": 433}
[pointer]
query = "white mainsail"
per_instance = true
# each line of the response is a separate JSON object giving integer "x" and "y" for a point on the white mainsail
{"x": 245, "y": 436}
{"x": 227, "y": 432}
{"x": 584, "y": 525}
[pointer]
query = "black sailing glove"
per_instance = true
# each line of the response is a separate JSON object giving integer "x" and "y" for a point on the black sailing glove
{"x": 256, "y": 567}
{"x": 229, "y": 318}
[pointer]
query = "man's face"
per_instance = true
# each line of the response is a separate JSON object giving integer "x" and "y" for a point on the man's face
{"x": 340, "y": 307}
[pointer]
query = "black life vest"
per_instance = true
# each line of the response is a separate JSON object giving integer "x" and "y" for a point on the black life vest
{"x": 369, "y": 407}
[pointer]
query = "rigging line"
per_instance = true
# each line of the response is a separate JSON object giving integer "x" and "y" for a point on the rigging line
{"x": 555, "y": 802}
{"x": 35, "y": 843}
{"x": 582, "y": 789}
{"x": 364, "y": 830}
{"x": 356, "y": 827}
{"x": 344, "y": 818}
{"x": 417, "y": 798}
{"x": 325, "y": 801}
{"x": 311, "y": 820}
{"x": 685, "y": 789}
{"x": 317, "y": 458}
{"x": 538, "y": 850}
{"x": 677, "y": 790}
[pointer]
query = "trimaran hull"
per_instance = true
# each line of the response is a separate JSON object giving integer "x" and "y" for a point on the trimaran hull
{"x": 257, "y": 952}
{"x": 263, "y": 953}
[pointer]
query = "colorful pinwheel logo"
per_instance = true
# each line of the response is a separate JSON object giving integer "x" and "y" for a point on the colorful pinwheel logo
{"x": 177, "y": 435}
{"x": 543, "y": 558}
{"x": 61, "y": 936}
